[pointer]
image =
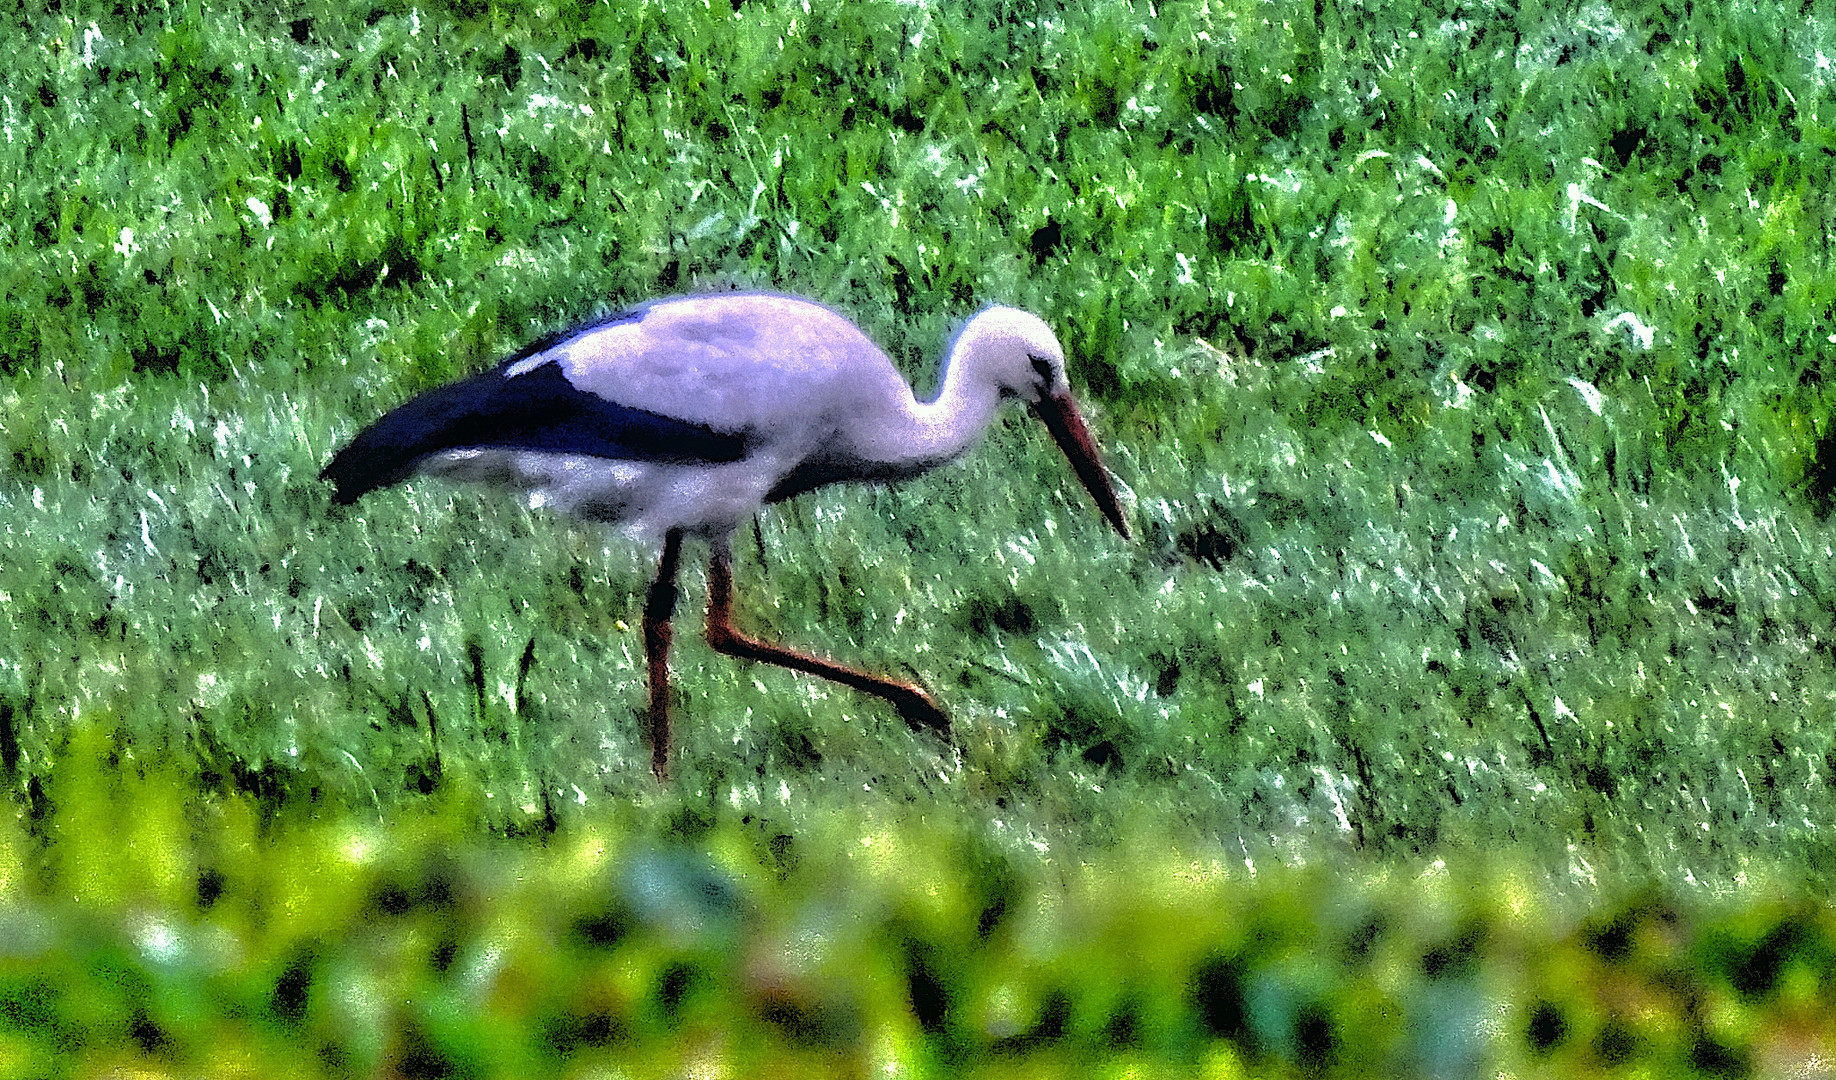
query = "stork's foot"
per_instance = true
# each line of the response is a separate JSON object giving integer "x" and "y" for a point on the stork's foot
{"x": 916, "y": 708}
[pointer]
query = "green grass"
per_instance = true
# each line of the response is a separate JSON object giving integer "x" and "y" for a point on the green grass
{"x": 1463, "y": 367}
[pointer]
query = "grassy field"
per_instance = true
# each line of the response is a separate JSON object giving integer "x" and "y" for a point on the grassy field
{"x": 1462, "y": 367}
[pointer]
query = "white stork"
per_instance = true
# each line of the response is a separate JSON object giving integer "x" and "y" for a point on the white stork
{"x": 685, "y": 415}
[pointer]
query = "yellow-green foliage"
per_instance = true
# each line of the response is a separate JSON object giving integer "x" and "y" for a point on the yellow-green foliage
{"x": 158, "y": 931}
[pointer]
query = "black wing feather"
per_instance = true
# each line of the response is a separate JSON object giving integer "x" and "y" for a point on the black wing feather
{"x": 536, "y": 410}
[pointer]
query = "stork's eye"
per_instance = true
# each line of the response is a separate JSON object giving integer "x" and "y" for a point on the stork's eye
{"x": 1043, "y": 366}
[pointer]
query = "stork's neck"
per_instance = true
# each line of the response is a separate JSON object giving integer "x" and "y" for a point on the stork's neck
{"x": 948, "y": 425}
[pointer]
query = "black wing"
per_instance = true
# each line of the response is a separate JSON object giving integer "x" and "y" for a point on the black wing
{"x": 536, "y": 410}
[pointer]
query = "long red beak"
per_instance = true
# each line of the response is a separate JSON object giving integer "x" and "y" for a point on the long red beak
{"x": 1073, "y": 437}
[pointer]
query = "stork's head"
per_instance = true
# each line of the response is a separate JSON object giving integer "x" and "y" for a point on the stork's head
{"x": 1015, "y": 351}
{"x": 1018, "y": 354}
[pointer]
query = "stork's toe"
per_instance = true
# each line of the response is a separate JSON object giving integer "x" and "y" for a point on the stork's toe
{"x": 918, "y": 710}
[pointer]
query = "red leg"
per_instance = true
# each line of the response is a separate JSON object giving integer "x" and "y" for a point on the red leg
{"x": 914, "y": 705}
{"x": 659, "y": 605}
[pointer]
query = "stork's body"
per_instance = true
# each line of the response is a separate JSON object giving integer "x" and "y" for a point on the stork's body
{"x": 685, "y": 415}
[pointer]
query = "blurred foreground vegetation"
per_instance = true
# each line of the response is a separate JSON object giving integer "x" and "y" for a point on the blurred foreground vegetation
{"x": 147, "y": 930}
{"x": 1465, "y": 705}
